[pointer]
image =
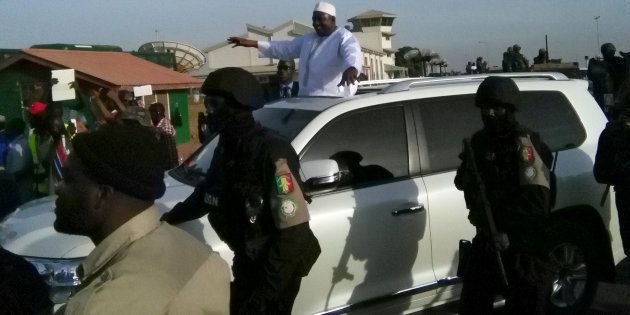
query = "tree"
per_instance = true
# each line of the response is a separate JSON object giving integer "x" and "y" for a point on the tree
{"x": 438, "y": 62}
{"x": 426, "y": 55}
{"x": 413, "y": 64}
{"x": 418, "y": 65}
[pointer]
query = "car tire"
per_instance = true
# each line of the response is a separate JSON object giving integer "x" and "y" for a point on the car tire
{"x": 573, "y": 276}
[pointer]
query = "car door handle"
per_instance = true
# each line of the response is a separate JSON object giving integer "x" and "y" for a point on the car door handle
{"x": 411, "y": 210}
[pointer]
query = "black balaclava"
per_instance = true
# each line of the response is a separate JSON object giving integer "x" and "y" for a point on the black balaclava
{"x": 499, "y": 124}
{"x": 231, "y": 96}
{"x": 498, "y": 98}
{"x": 228, "y": 117}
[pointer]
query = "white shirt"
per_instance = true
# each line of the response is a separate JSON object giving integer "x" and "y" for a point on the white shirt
{"x": 321, "y": 69}
{"x": 286, "y": 89}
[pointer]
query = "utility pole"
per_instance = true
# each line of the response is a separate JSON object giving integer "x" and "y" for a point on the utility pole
{"x": 486, "y": 44}
{"x": 546, "y": 49}
{"x": 597, "y": 28}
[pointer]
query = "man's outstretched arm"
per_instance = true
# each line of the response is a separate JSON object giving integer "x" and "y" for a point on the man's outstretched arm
{"x": 238, "y": 41}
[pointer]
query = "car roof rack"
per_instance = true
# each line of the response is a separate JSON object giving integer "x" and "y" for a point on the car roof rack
{"x": 406, "y": 84}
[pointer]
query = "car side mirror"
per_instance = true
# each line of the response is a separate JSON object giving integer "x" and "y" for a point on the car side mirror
{"x": 320, "y": 175}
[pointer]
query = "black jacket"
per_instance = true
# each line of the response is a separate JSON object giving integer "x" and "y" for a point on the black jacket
{"x": 518, "y": 209}
{"x": 612, "y": 161}
{"x": 238, "y": 196}
{"x": 274, "y": 91}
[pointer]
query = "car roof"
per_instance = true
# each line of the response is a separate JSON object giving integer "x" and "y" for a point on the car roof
{"x": 308, "y": 103}
{"x": 406, "y": 84}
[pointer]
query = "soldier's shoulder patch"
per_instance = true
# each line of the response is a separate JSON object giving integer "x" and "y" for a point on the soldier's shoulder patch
{"x": 284, "y": 183}
{"x": 288, "y": 208}
{"x": 527, "y": 153}
{"x": 530, "y": 173}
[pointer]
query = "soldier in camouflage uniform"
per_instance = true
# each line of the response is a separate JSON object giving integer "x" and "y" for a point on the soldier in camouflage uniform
{"x": 513, "y": 164}
{"x": 253, "y": 196}
{"x": 519, "y": 62}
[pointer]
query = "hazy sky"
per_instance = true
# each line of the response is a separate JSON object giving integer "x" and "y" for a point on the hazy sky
{"x": 452, "y": 28}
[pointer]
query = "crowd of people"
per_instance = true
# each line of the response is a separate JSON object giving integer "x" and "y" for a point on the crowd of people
{"x": 513, "y": 61}
{"x": 477, "y": 66}
{"x": 107, "y": 180}
{"x": 31, "y": 158}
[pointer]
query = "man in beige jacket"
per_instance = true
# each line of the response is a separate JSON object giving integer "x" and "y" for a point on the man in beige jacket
{"x": 140, "y": 265}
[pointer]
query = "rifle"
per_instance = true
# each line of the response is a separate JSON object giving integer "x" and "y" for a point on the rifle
{"x": 483, "y": 200}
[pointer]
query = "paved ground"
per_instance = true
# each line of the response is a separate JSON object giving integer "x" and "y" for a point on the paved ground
{"x": 614, "y": 298}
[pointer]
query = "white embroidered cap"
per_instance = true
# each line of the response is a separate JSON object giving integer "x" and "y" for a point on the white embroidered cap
{"x": 325, "y": 7}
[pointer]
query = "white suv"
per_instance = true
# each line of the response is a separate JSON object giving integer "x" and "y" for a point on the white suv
{"x": 388, "y": 218}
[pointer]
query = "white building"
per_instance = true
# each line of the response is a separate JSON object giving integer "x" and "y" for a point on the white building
{"x": 375, "y": 41}
{"x": 373, "y": 29}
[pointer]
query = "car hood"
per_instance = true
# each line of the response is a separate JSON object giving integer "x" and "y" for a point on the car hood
{"x": 29, "y": 230}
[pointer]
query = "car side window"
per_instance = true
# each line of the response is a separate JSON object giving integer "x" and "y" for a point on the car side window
{"x": 443, "y": 122}
{"x": 369, "y": 145}
{"x": 551, "y": 114}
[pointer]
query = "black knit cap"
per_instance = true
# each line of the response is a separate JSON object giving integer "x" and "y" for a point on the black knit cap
{"x": 129, "y": 158}
{"x": 236, "y": 83}
{"x": 499, "y": 90}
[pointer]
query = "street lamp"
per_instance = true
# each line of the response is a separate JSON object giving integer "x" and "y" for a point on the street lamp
{"x": 597, "y": 28}
{"x": 486, "y": 44}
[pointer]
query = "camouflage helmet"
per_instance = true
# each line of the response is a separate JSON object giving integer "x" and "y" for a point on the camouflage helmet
{"x": 237, "y": 84}
{"x": 498, "y": 90}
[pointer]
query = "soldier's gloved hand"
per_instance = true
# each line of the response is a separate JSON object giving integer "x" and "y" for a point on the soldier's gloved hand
{"x": 501, "y": 241}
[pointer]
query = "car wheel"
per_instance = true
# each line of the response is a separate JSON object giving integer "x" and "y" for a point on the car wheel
{"x": 573, "y": 282}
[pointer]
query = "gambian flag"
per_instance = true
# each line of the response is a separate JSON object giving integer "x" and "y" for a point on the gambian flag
{"x": 284, "y": 184}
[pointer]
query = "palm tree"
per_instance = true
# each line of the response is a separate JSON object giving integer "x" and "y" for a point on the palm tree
{"x": 441, "y": 63}
{"x": 426, "y": 55}
{"x": 435, "y": 62}
{"x": 408, "y": 57}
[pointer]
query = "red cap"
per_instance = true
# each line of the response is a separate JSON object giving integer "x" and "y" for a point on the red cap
{"x": 36, "y": 108}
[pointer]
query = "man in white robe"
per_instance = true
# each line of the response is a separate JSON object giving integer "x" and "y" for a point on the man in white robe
{"x": 330, "y": 57}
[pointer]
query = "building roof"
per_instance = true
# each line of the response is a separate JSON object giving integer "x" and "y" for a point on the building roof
{"x": 372, "y": 51}
{"x": 371, "y": 14}
{"x": 108, "y": 68}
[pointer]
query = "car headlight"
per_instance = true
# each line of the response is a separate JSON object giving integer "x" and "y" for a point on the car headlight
{"x": 59, "y": 274}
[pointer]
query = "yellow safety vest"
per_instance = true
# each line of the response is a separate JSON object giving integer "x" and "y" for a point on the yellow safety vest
{"x": 40, "y": 173}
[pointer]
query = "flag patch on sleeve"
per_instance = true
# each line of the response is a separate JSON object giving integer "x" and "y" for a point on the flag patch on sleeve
{"x": 528, "y": 154}
{"x": 284, "y": 184}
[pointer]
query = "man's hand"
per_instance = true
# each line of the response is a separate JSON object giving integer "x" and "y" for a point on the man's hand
{"x": 501, "y": 241}
{"x": 349, "y": 76}
{"x": 238, "y": 41}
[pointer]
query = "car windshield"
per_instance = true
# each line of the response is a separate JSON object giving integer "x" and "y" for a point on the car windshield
{"x": 287, "y": 122}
